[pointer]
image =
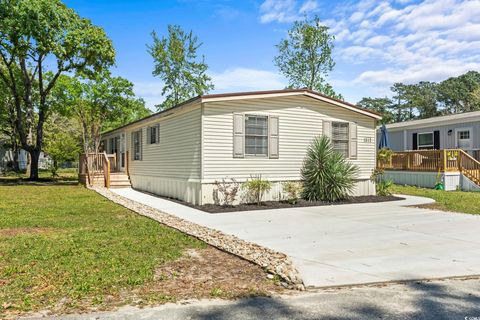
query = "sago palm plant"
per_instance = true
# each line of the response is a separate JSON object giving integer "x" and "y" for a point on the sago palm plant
{"x": 326, "y": 174}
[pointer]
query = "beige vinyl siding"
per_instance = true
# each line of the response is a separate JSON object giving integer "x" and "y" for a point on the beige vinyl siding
{"x": 300, "y": 120}
{"x": 172, "y": 166}
{"x": 177, "y": 155}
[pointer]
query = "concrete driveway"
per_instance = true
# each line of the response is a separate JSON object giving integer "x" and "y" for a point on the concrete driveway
{"x": 351, "y": 244}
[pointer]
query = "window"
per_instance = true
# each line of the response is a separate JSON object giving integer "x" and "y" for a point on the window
{"x": 256, "y": 135}
{"x": 340, "y": 141}
{"x": 464, "y": 135}
{"x": 425, "y": 141}
{"x": 153, "y": 134}
{"x": 137, "y": 144}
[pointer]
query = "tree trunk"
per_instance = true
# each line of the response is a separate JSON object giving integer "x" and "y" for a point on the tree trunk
{"x": 34, "y": 158}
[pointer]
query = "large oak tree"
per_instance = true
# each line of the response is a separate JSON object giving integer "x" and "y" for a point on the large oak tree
{"x": 40, "y": 40}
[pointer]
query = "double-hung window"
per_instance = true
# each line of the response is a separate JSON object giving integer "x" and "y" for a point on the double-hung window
{"x": 153, "y": 133}
{"x": 256, "y": 135}
{"x": 340, "y": 138}
{"x": 425, "y": 141}
{"x": 137, "y": 145}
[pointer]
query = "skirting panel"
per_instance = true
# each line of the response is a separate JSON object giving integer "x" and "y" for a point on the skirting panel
{"x": 179, "y": 189}
{"x": 451, "y": 180}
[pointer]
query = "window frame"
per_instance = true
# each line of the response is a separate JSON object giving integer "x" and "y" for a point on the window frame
{"x": 137, "y": 139}
{"x": 347, "y": 156}
{"x": 267, "y": 136}
{"x": 425, "y": 146}
{"x": 156, "y": 136}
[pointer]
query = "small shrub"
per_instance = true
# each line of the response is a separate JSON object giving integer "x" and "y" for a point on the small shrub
{"x": 382, "y": 185}
{"x": 326, "y": 174}
{"x": 229, "y": 190}
{"x": 384, "y": 156}
{"x": 293, "y": 191}
{"x": 256, "y": 188}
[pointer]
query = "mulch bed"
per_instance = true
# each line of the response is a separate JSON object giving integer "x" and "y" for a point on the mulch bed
{"x": 214, "y": 208}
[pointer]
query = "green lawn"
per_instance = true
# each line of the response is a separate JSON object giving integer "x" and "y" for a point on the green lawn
{"x": 458, "y": 201}
{"x": 68, "y": 175}
{"x": 68, "y": 245}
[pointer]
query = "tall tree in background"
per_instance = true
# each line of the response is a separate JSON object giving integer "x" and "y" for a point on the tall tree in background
{"x": 8, "y": 133}
{"x": 35, "y": 34}
{"x": 177, "y": 64}
{"x": 103, "y": 103}
{"x": 457, "y": 94}
{"x": 423, "y": 96}
{"x": 305, "y": 56}
{"x": 62, "y": 140}
{"x": 380, "y": 105}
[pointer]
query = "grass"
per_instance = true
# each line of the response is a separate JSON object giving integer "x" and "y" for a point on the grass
{"x": 458, "y": 201}
{"x": 67, "y": 175}
{"x": 66, "y": 245}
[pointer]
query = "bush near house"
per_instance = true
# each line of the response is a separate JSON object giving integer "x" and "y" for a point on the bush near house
{"x": 256, "y": 188}
{"x": 327, "y": 175}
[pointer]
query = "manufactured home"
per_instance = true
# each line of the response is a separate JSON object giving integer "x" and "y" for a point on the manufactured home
{"x": 455, "y": 131}
{"x": 181, "y": 152}
{"x": 436, "y": 150}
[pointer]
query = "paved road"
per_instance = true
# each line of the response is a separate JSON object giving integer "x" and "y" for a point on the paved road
{"x": 447, "y": 299}
{"x": 352, "y": 244}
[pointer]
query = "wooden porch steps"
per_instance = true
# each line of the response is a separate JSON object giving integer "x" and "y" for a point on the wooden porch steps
{"x": 119, "y": 180}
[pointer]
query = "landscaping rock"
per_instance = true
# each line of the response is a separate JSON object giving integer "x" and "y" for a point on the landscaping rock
{"x": 273, "y": 261}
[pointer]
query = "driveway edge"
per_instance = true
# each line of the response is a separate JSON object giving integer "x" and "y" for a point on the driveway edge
{"x": 274, "y": 262}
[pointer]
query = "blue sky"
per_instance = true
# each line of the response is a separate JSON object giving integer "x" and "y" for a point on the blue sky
{"x": 377, "y": 42}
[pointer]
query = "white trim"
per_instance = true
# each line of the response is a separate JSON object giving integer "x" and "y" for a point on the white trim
{"x": 473, "y": 116}
{"x": 405, "y": 140}
{"x": 469, "y": 129}
{"x": 427, "y": 145}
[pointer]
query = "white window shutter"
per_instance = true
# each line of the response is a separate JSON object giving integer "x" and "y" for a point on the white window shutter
{"x": 273, "y": 137}
{"x": 238, "y": 135}
{"x": 353, "y": 141}
{"x": 327, "y": 128}
{"x": 158, "y": 133}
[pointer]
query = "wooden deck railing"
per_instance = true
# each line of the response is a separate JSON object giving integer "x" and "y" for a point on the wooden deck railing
{"x": 447, "y": 160}
{"x": 94, "y": 164}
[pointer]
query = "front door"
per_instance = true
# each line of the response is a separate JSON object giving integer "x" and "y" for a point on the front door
{"x": 464, "y": 138}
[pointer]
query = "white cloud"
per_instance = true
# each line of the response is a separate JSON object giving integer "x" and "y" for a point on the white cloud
{"x": 308, "y": 7}
{"x": 286, "y": 11}
{"x": 433, "y": 71}
{"x": 151, "y": 92}
{"x": 401, "y": 40}
{"x": 239, "y": 78}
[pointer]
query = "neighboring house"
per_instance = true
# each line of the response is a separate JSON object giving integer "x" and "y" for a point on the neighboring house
{"x": 456, "y": 131}
{"x": 6, "y": 157}
{"x": 181, "y": 152}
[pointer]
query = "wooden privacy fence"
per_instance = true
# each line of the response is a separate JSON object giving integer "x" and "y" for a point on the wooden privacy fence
{"x": 447, "y": 160}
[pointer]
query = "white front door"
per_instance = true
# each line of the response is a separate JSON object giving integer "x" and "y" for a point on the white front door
{"x": 463, "y": 138}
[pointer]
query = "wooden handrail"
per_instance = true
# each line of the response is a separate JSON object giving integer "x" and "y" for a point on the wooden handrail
{"x": 469, "y": 166}
{"x": 447, "y": 160}
{"x": 97, "y": 163}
